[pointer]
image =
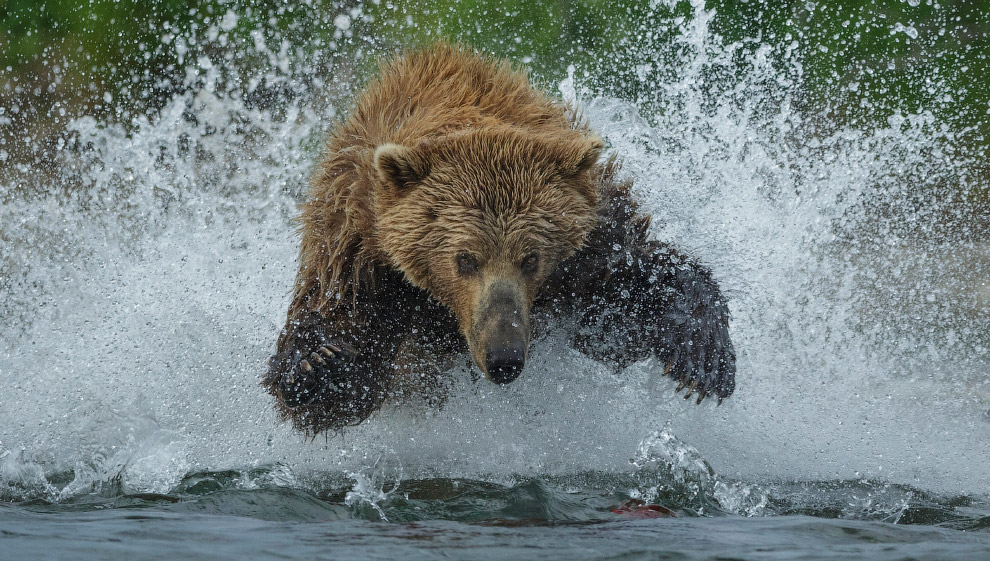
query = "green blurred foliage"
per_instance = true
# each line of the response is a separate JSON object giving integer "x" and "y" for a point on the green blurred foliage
{"x": 907, "y": 54}
{"x": 860, "y": 61}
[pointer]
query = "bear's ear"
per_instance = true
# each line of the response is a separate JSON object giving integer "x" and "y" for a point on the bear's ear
{"x": 400, "y": 166}
{"x": 581, "y": 157}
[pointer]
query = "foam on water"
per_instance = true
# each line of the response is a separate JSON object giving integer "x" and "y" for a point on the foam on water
{"x": 146, "y": 276}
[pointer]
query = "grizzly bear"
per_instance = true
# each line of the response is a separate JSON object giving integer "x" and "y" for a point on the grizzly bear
{"x": 457, "y": 208}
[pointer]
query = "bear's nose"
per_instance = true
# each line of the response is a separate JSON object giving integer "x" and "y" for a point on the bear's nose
{"x": 504, "y": 363}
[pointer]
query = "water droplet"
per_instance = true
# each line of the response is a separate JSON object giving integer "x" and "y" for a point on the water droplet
{"x": 342, "y": 22}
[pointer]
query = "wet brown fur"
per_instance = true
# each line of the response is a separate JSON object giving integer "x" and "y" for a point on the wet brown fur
{"x": 484, "y": 104}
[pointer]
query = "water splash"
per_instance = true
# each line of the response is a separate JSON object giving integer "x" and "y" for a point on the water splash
{"x": 840, "y": 248}
{"x": 370, "y": 483}
{"x": 669, "y": 468}
{"x": 147, "y": 267}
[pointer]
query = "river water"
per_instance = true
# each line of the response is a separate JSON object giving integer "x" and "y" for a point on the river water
{"x": 146, "y": 270}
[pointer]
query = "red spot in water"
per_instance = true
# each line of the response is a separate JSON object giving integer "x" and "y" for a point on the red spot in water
{"x": 634, "y": 508}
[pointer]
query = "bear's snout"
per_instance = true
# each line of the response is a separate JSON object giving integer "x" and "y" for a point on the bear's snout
{"x": 500, "y": 337}
{"x": 504, "y": 363}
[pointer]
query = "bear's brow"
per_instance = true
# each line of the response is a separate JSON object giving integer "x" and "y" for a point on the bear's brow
{"x": 488, "y": 232}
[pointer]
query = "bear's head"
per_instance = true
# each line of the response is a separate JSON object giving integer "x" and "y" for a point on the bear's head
{"x": 480, "y": 219}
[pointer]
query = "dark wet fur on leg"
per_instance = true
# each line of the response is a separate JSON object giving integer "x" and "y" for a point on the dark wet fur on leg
{"x": 694, "y": 336}
{"x": 332, "y": 367}
{"x": 638, "y": 298}
{"x": 335, "y": 367}
{"x": 325, "y": 389}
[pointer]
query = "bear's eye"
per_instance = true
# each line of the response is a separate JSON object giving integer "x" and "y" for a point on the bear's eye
{"x": 530, "y": 263}
{"x": 466, "y": 264}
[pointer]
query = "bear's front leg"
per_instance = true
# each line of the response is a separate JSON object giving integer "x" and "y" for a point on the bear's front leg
{"x": 653, "y": 302}
{"x": 334, "y": 368}
{"x": 691, "y": 336}
{"x": 637, "y": 298}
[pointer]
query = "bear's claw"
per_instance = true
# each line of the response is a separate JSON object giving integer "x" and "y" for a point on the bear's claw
{"x": 694, "y": 336}
{"x": 308, "y": 379}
